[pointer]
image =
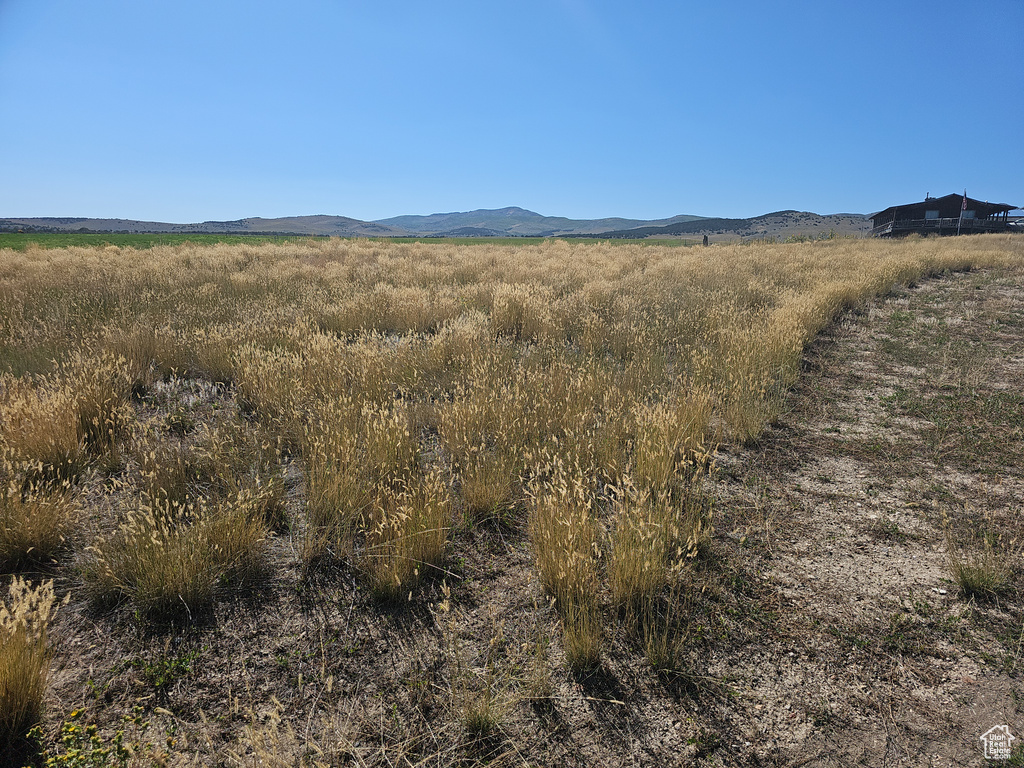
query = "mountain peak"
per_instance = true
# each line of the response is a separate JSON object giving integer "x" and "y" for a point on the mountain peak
{"x": 515, "y": 210}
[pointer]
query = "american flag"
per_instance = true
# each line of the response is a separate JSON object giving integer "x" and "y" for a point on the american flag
{"x": 964, "y": 206}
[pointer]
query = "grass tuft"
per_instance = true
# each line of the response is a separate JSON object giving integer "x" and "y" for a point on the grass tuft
{"x": 168, "y": 560}
{"x": 581, "y": 628}
{"x": 24, "y": 658}
{"x": 406, "y": 537}
{"x": 644, "y": 537}
{"x": 34, "y": 523}
{"x": 985, "y": 570}
{"x": 488, "y": 486}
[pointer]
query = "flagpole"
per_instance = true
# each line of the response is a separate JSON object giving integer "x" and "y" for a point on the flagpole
{"x": 963, "y": 207}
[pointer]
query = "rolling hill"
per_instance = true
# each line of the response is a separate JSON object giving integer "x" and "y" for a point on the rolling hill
{"x": 780, "y": 224}
{"x": 516, "y": 221}
{"x": 341, "y": 226}
{"x": 501, "y": 222}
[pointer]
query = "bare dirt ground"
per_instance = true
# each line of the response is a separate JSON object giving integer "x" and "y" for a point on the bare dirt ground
{"x": 824, "y": 626}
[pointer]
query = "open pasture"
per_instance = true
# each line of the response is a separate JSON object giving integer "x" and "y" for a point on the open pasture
{"x": 353, "y": 502}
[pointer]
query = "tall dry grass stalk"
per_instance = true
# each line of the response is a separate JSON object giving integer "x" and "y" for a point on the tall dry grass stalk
{"x": 646, "y": 537}
{"x": 39, "y": 429}
{"x": 169, "y": 470}
{"x": 984, "y": 567}
{"x": 670, "y": 439}
{"x": 661, "y": 628}
{"x": 103, "y": 387}
{"x": 56, "y": 424}
{"x": 652, "y": 537}
{"x": 406, "y": 537}
{"x": 355, "y": 455}
{"x": 24, "y": 658}
{"x": 564, "y": 534}
{"x": 168, "y": 560}
{"x": 488, "y": 483}
{"x": 582, "y": 635}
{"x": 35, "y": 521}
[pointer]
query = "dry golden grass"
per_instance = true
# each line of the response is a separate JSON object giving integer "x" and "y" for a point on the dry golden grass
{"x": 34, "y": 522}
{"x": 581, "y": 635}
{"x": 103, "y": 386}
{"x": 406, "y": 537}
{"x": 565, "y": 539}
{"x": 400, "y": 383}
{"x": 39, "y": 430}
{"x": 24, "y": 658}
{"x": 625, "y": 361}
{"x": 564, "y": 534}
{"x": 169, "y": 471}
{"x": 645, "y": 538}
{"x": 661, "y": 629}
{"x": 488, "y": 483}
{"x": 670, "y": 439}
{"x": 982, "y": 567}
{"x": 354, "y": 455}
{"x": 168, "y": 560}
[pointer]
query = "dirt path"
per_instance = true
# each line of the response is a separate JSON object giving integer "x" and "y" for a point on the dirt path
{"x": 908, "y": 422}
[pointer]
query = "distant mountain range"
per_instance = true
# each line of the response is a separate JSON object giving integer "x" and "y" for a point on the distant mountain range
{"x": 502, "y": 222}
{"x": 511, "y": 222}
{"x": 341, "y": 226}
{"x": 779, "y": 224}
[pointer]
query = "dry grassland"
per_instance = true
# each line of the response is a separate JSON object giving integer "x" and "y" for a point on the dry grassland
{"x": 349, "y": 502}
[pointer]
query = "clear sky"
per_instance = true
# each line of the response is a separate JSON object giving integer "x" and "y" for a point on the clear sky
{"x": 187, "y": 111}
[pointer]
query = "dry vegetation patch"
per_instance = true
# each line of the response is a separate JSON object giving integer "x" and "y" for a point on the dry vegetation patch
{"x": 352, "y": 502}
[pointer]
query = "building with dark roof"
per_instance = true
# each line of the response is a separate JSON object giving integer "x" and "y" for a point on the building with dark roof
{"x": 949, "y": 215}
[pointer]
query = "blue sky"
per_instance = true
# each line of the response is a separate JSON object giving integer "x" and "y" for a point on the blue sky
{"x": 189, "y": 111}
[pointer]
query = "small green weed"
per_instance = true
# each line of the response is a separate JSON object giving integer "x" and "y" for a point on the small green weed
{"x": 83, "y": 746}
{"x": 161, "y": 673}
